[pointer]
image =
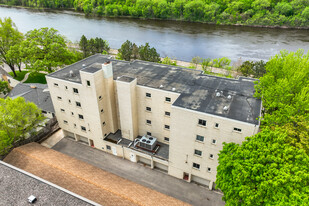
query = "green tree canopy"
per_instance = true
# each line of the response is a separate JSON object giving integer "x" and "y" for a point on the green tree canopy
{"x": 284, "y": 89}
{"x": 264, "y": 170}
{"x": 45, "y": 49}
{"x": 4, "y": 87}
{"x": 126, "y": 50}
{"x": 17, "y": 118}
{"x": 148, "y": 54}
{"x": 9, "y": 37}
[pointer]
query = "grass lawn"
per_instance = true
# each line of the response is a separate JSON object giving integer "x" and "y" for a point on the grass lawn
{"x": 36, "y": 77}
{"x": 20, "y": 75}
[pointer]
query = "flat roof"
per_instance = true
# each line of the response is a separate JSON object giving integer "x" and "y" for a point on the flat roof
{"x": 229, "y": 98}
{"x": 17, "y": 185}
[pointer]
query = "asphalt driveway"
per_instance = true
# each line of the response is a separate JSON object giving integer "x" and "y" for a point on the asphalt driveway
{"x": 156, "y": 180}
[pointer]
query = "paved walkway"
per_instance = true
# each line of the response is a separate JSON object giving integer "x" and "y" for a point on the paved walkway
{"x": 187, "y": 192}
{"x": 53, "y": 139}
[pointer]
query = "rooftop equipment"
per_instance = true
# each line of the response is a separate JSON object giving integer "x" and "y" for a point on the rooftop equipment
{"x": 148, "y": 142}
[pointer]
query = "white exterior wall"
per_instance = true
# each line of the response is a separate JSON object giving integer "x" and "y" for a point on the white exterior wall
{"x": 184, "y": 128}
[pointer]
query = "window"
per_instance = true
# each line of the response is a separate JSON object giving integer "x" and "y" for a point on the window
{"x": 208, "y": 169}
{"x": 75, "y": 90}
{"x": 88, "y": 83}
{"x": 166, "y": 126}
{"x": 80, "y": 116}
{"x": 196, "y": 166}
{"x": 148, "y": 109}
{"x": 59, "y": 98}
{"x": 78, "y": 104}
{"x": 104, "y": 123}
{"x": 214, "y": 141}
{"x": 167, "y": 99}
{"x": 83, "y": 128}
{"x": 202, "y": 122}
{"x": 237, "y": 129}
{"x": 100, "y": 97}
{"x": 200, "y": 138}
{"x": 149, "y": 133}
{"x": 74, "y": 125}
{"x": 62, "y": 110}
{"x": 44, "y": 112}
{"x": 69, "y": 101}
{"x": 216, "y": 125}
{"x": 108, "y": 147}
{"x": 56, "y": 85}
{"x": 72, "y": 113}
{"x": 166, "y": 139}
{"x": 211, "y": 156}
{"x": 148, "y": 121}
{"x": 65, "y": 121}
{"x": 167, "y": 114}
{"x": 102, "y": 110}
{"x": 198, "y": 152}
{"x": 148, "y": 95}
{"x": 65, "y": 87}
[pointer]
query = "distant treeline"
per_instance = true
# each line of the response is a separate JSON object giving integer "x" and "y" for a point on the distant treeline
{"x": 294, "y": 13}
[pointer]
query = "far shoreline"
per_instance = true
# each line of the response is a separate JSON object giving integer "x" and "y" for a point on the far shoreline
{"x": 73, "y": 12}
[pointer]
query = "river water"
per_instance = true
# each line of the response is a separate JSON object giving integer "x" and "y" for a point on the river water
{"x": 181, "y": 40}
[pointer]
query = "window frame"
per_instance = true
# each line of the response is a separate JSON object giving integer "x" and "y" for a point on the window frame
{"x": 75, "y": 91}
{"x": 196, "y": 166}
{"x": 196, "y": 138}
{"x": 235, "y": 129}
{"x": 166, "y": 113}
{"x": 88, "y": 83}
{"x": 76, "y": 103}
{"x": 148, "y": 95}
{"x": 201, "y": 122}
{"x": 148, "y": 109}
{"x": 80, "y": 116}
{"x": 167, "y": 127}
{"x": 168, "y": 99}
{"x": 196, "y": 152}
{"x": 166, "y": 139}
{"x": 82, "y": 128}
{"x": 148, "y": 122}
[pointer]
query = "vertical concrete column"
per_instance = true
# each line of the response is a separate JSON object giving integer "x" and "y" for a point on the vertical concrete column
{"x": 151, "y": 163}
{"x": 126, "y": 94}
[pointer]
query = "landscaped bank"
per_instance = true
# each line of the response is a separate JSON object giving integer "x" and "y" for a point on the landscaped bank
{"x": 294, "y": 13}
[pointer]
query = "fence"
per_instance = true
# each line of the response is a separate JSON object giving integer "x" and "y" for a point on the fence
{"x": 44, "y": 133}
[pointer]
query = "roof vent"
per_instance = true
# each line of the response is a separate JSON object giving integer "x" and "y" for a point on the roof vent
{"x": 71, "y": 73}
{"x": 218, "y": 94}
{"x": 173, "y": 89}
{"x": 225, "y": 108}
{"x": 229, "y": 97}
{"x": 161, "y": 86}
{"x": 84, "y": 65}
{"x": 31, "y": 199}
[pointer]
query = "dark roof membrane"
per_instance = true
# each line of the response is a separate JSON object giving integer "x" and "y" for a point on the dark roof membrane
{"x": 199, "y": 92}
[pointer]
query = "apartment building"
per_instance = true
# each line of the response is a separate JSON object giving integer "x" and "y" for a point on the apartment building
{"x": 169, "y": 118}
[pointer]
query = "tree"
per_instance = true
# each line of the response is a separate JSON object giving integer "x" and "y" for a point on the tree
{"x": 148, "y": 54}
{"x": 45, "y": 49}
{"x": 247, "y": 68}
{"x": 196, "y": 60}
{"x": 264, "y": 170}
{"x": 284, "y": 89}
{"x": 205, "y": 64}
{"x": 135, "y": 54}
{"x": 9, "y": 36}
{"x": 17, "y": 118}
{"x": 168, "y": 61}
{"x": 83, "y": 45}
{"x": 126, "y": 50}
{"x": 259, "y": 69}
{"x": 4, "y": 87}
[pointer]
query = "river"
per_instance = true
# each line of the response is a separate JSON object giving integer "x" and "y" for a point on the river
{"x": 181, "y": 40}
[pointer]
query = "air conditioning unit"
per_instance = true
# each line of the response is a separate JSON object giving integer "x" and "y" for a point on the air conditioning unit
{"x": 148, "y": 142}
